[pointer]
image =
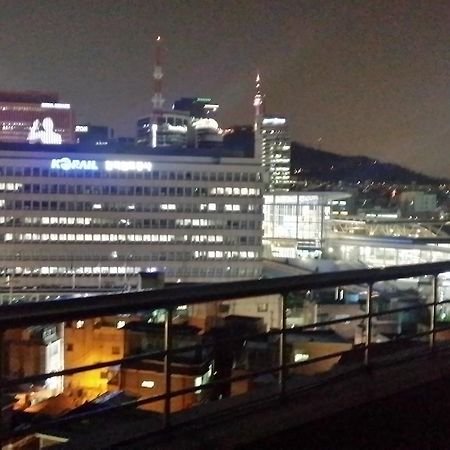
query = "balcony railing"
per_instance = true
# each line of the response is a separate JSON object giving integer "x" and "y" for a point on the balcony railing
{"x": 59, "y": 311}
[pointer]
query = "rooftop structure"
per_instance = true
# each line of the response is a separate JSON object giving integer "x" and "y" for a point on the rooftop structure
{"x": 35, "y": 117}
{"x": 187, "y": 124}
{"x": 29, "y": 97}
{"x": 394, "y": 365}
{"x": 272, "y": 144}
{"x": 197, "y": 107}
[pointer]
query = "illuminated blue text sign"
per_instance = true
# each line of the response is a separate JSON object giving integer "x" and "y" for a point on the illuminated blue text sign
{"x": 109, "y": 165}
{"x": 74, "y": 164}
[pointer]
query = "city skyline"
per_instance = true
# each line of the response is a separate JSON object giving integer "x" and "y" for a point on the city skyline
{"x": 354, "y": 79}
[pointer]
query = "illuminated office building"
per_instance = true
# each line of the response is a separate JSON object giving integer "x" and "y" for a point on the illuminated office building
{"x": 203, "y": 129}
{"x": 168, "y": 129}
{"x": 96, "y": 219}
{"x": 189, "y": 124}
{"x": 302, "y": 225}
{"x": 272, "y": 145}
{"x": 276, "y": 153}
{"x": 162, "y": 128}
{"x": 197, "y": 107}
{"x": 35, "y": 118}
{"x": 296, "y": 224}
{"x": 87, "y": 134}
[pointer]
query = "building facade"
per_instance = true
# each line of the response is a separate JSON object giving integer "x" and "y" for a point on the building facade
{"x": 70, "y": 219}
{"x": 87, "y": 134}
{"x": 296, "y": 224}
{"x": 35, "y": 118}
{"x": 197, "y": 107}
{"x": 168, "y": 129}
{"x": 272, "y": 145}
{"x": 276, "y": 153}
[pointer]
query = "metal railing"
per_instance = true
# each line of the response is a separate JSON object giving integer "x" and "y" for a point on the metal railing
{"x": 30, "y": 314}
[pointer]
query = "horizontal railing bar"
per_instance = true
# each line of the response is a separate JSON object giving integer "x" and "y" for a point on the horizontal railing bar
{"x": 74, "y": 370}
{"x": 161, "y": 354}
{"x": 25, "y": 314}
{"x": 310, "y": 361}
{"x": 142, "y": 401}
{"x": 135, "y": 403}
{"x": 211, "y": 385}
{"x": 70, "y": 309}
{"x": 408, "y": 337}
{"x": 362, "y": 316}
{"x": 403, "y": 309}
{"x": 132, "y": 358}
{"x": 325, "y": 323}
{"x": 173, "y": 394}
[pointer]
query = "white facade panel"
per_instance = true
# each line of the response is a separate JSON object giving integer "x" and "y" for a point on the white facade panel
{"x": 97, "y": 220}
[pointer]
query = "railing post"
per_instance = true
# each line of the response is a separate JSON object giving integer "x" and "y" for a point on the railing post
{"x": 3, "y": 423}
{"x": 283, "y": 355}
{"x": 368, "y": 324}
{"x": 434, "y": 296}
{"x": 168, "y": 365}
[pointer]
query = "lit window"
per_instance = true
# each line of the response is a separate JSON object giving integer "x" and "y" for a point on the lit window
{"x": 148, "y": 384}
{"x": 298, "y": 357}
{"x": 115, "y": 350}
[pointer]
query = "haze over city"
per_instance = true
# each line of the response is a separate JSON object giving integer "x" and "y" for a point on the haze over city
{"x": 192, "y": 255}
{"x": 352, "y": 77}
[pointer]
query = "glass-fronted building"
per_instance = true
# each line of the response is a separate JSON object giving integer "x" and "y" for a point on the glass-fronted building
{"x": 296, "y": 224}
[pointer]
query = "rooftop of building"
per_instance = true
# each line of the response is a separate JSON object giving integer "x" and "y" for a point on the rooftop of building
{"x": 189, "y": 364}
{"x": 328, "y": 336}
{"x": 158, "y": 328}
{"x": 117, "y": 148}
{"x": 28, "y": 97}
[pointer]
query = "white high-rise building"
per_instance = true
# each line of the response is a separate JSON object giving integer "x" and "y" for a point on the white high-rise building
{"x": 276, "y": 153}
{"x": 96, "y": 219}
{"x": 272, "y": 145}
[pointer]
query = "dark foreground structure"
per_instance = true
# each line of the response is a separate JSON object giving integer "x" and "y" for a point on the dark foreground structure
{"x": 378, "y": 395}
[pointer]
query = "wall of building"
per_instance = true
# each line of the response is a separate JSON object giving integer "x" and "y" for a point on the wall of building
{"x": 310, "y": 350}
{"x": 25, "y": 356}
{"x": 275, "y": 153}
{"x": 85, "y": 220}
{"x": 87, "y": 342}
{"x": 134, "y": 382}
{"x": 266, "y": 307}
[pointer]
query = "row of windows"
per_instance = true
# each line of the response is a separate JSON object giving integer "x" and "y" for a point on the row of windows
{"x": 213, "y": 224}
{"x": 185, "y": 272}
{"x": 46, "y": 205}
{"x": 132, "y": 191}
{"x": 153, "y": 256}
{"x": 151, "y": 175}
{"x": 108, "y": 238}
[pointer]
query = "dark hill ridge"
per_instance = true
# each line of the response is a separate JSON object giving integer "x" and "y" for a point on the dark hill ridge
{"x": 311, "y": 163}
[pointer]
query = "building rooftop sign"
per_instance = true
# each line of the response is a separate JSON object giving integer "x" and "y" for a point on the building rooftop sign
{"x": 108, "y": 165}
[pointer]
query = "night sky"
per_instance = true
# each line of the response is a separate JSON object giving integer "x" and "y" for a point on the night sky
{"x": 354, "y": 77}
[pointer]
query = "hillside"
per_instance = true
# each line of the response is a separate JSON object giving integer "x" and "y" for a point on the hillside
{"x": 311, "y": 163}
